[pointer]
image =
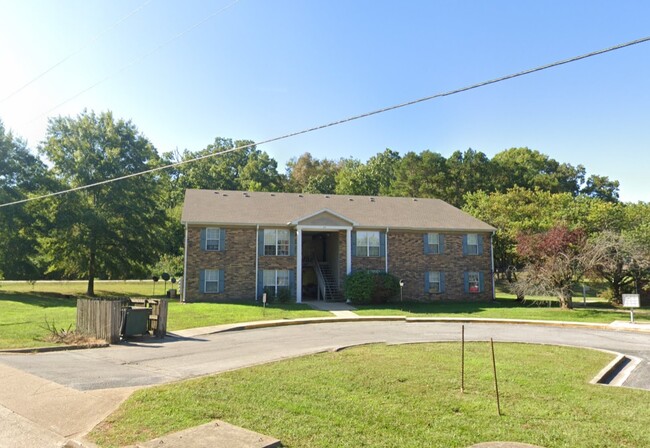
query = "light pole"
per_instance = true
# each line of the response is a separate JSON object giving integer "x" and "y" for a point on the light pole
{"x": 401, "y": 292}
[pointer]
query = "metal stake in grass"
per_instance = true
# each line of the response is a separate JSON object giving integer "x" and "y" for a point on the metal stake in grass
{"x": 496, "y": 384}
{"x": 462, "y": 359}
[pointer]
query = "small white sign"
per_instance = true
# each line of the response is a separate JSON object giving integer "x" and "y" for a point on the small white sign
{"x": 264, "y": 298}
{"x": 631, "y": 301}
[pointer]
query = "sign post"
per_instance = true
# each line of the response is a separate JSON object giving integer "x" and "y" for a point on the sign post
{"x": 631, "y": 301}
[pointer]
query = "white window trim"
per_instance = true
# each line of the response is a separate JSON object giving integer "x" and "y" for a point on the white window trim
{"x": 436, "y": 244}
{"x": 470, "y": 282}
{"x": 275, "y": 285}
{"x": 217, "y": 239}
{"x": 367, "y": 246}
{"x": 432, "y": 282}
{"x": 475, "y": 245}
{"x": 277, "y": 242}
{"x": 206, "y": 280}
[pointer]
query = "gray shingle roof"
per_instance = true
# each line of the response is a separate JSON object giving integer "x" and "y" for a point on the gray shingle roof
{"x": 277, "y": 209}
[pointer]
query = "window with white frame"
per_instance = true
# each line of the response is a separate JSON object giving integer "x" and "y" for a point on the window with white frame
{"x": 275, "y": 279}
{"x": 276, "y": 242}
{"x": 472, "y": 244}
{"x": 435, "y": 286}
{"x": 367, "y": 244}
{"x": 211, "y": 281}
{"x": 433, "y": 240}
{"x": 473, "y": 282}
{"x": 212, "y": 240}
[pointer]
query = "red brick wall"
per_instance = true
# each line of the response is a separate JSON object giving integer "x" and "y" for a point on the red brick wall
{"x": 407, "y": 260}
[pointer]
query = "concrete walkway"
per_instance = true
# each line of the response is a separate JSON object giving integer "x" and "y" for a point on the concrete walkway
{"x": 338, "y": 309}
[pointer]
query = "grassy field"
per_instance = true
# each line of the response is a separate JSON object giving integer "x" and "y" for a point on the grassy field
{"x": 407, "y": 396}
{"x": 25, "y": 308}
{"x": 506, "y": 308}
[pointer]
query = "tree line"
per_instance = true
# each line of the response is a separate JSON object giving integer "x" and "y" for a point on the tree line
{"x": 131, "y": 228}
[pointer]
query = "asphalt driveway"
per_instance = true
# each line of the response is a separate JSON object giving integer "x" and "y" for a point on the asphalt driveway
{"x": 68, "y": 393}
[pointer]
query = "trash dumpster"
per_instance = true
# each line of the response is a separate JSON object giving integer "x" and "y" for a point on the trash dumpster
{"x": 136, "y": 321}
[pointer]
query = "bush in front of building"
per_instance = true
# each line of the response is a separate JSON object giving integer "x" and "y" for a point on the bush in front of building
{"x": 366, "y": 287}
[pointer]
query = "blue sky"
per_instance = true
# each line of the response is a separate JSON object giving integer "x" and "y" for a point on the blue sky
{"x": 264, "y": 68}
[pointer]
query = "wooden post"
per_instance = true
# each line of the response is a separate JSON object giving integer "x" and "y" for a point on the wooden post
{"x": 496, "y": 384}
{"x": 462, "y": 359}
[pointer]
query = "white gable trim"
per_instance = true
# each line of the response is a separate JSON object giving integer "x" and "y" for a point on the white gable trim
{"x": 319, "y": 212}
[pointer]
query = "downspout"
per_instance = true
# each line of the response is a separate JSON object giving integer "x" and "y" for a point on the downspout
{"x": 386, "y": 245}
{"x": 257, "y": 256}
{"x": 184, "y": 267}
{"x": 494, "y": 292}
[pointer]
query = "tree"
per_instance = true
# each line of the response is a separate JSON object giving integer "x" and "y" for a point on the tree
{"x": 531, "y": 169}
{"x": 467, "y": 172}
{"x": 243, "y": 169}
{"x": 620, "y": 258}
{"x": 20, "y": 175}
{"x": 355, "y": 178}
{"x": 555, "y": 260}
{"x": 601, "y": 187}
{"x": 382, "y": 168}
{"x": 421, "y": 175}
{"x": 107, "y": 231}
{"x": 309, "y": 175}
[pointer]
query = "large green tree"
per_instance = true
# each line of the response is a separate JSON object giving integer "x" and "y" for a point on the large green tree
{"x": 20, "y": 175}
{"x": 107, "y": 231}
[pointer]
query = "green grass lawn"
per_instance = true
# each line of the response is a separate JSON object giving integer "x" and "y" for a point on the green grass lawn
{"x": 25, "y": 308}
{"x": 505, "y": 308}
{"x": 406, "y": 396}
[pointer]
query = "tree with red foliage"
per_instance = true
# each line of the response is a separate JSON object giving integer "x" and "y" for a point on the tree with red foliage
{"x": 555, "y": 260}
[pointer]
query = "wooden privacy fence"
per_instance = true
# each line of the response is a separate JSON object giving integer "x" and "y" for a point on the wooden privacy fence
{"x": 100, "y": 318}
{"x": 105, "y": 318}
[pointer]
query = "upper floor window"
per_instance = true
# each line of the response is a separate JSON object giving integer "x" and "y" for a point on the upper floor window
{"x": 276, "y": 242}
{"x": 212, "y": 239}
{"x": 472, "y": 244}
{"x": 368, "y": 244}
{"x": 433, "y": 241}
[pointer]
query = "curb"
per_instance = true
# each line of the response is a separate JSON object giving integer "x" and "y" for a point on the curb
{"x": 616, "y": 372}
{"x": 52, "y": 348}
{"x": 320, "y": 320}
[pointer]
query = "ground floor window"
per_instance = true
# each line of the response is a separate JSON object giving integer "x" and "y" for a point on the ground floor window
{"x": 274, "y": 280}
{"x": 473, "y": 282}
{"x": 212, "y": 281}
{"x": 435, "y": 282}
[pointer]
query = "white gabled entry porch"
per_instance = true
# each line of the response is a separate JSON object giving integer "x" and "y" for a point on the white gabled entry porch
{"x": 319, "y": 226}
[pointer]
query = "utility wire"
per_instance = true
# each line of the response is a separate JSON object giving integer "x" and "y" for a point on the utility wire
{"x": 338, "y": 122}
{"x": 74, "y": 53}
{"x": 136, "y": 60}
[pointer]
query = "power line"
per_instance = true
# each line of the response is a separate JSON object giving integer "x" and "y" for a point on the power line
{"x": 74, "y": 53}
{"x": 338, "y": 122}
{"x": 136, "y": 60}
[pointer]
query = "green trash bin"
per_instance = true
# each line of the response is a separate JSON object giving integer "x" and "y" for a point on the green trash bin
{"x": 136, "y": 321}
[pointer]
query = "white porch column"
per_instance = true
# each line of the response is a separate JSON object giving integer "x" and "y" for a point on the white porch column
{"x": 348, "y": 251}
{"x": 299, "y": 265}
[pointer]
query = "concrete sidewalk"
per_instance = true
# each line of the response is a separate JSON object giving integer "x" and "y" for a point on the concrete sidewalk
{"x": 45, "y": 413}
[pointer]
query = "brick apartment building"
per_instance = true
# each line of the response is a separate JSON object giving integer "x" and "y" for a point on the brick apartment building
{"x": 238, "y": 244}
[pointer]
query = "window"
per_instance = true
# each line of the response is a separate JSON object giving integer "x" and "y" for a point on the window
{"x": 368, "y": 244}
{"x": 276, "y": 242}
{"x": 473, "y": 282}
{"x": 435, "y": 285}
{"x": 212, "y": 239}
{"x": 275, "y": 279}
{"x": 472, "y": 244}
{"x": 433, "y": 240}
{"x": 211, "y": 281}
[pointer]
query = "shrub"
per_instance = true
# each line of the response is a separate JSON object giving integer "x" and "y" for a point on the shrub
{"x": 283, "y": 295}
{"x": 365, "y": 287}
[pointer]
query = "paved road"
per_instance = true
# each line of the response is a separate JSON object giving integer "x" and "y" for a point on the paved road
{"x": 50, "y": 397}
{"x": 140, "y": 364}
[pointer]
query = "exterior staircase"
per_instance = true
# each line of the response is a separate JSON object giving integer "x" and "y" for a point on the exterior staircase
{"x": 327, "y": 287}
